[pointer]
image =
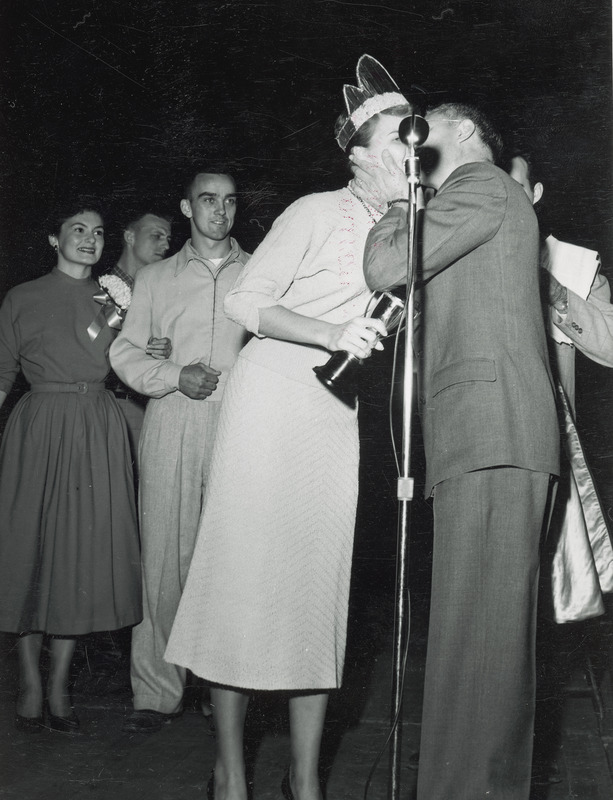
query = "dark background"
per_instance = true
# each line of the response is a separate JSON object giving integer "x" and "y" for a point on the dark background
{"x": 123, "y": 98}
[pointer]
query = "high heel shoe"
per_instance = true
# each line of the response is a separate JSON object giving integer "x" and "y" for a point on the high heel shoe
{"x": 29, "y": 724}
{"x": 210, "y": 787}
{"x": 68, "y": 724}
{"x": 286, "y": 787}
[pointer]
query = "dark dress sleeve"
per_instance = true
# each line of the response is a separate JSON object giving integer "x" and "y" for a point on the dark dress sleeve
{"x": 9, "y": 344}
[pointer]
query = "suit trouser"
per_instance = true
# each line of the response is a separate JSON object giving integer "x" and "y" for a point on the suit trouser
{"x": 174, "y": 454}
{"x": 479, "y": 693}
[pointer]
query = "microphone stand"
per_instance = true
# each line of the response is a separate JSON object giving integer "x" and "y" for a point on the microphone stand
{"x": 415, "y": 132}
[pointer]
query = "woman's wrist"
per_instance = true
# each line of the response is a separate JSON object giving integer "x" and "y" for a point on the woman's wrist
{"x": 329, "y": 336}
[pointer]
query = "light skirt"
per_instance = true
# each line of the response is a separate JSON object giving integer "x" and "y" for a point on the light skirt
{"x": 265, "y": 603}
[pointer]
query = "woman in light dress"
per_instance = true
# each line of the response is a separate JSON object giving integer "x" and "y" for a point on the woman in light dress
{"x": 265, "y": 604}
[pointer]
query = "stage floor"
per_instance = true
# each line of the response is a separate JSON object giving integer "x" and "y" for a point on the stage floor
{"x": 108, "y": 764}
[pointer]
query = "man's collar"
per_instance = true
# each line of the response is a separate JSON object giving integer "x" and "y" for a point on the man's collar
{"x": 127, "y": 279}
{"x": 188, "y": 253}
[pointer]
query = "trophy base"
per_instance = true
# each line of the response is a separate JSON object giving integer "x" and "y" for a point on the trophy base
{"x": 340, "y": 372}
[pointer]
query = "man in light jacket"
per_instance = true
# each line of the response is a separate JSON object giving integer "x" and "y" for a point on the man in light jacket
{"x": 180, "y": 298}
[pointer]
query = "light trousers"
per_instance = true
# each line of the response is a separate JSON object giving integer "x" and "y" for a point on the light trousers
{"x": 174, "y": 456}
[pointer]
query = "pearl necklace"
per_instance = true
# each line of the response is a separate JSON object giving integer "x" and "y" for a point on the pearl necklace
{"x": 368, "y": 209}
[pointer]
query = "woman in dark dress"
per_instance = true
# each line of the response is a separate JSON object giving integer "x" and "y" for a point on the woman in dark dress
{"x": 69, "y": 554}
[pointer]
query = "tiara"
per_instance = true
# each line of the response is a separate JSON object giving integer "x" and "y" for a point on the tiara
{"x": 376, "y": 91}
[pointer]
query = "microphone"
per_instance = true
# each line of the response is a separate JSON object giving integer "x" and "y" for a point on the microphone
{"x": 413, "y": 131}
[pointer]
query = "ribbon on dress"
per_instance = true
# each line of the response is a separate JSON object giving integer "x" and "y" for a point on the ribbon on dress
{"x": 110, "y": 314}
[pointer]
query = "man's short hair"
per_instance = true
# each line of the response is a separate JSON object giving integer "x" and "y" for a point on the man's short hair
{"x": 191, "y": 178}
{"x": 534, "y": 173}
{"x": 486, "y": 127}
{"x": 134, "y": 215}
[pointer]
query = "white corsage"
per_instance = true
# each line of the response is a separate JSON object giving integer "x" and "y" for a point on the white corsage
{"x": 118, "y": 290}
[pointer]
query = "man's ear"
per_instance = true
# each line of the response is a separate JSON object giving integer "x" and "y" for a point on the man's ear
{"x": 128, "y": 236}
{"x": 538, "y": 192}
{"x": 466, "y": 129}
{"x": 186, "y": 208}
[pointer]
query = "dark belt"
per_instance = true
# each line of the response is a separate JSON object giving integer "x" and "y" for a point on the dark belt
{"x": 128, "y": 394}
{"x": 82, "y": 387}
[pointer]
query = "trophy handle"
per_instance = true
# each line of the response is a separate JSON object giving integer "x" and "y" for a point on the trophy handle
{"x": 376, "y": 296}
{"x": 391, "y": 312}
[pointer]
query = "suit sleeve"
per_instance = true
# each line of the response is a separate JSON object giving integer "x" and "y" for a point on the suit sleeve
{"x": 467, "y": 212}
{"x": 128, "y": 357}
{"x": 589, "y": 323}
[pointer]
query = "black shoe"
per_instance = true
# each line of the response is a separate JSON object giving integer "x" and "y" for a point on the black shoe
{"x": 147, "y": 720}
{"x": 29, "y": 724}
{"x": 69, "y": 724}
{"x": 210, "y": 787}
{"x": 286, "y": 787}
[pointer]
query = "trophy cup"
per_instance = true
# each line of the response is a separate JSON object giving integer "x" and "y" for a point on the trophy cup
{"x": 339, "y": 373}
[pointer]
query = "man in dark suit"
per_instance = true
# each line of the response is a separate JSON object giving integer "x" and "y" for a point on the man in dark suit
{"x": 487, "y": 408}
